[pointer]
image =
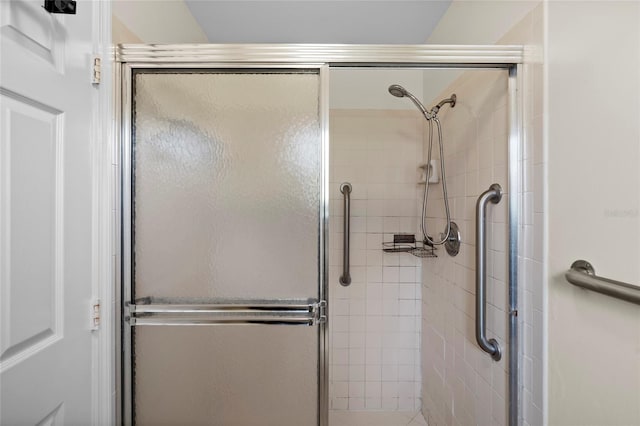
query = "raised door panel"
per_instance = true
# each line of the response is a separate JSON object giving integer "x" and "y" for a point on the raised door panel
{"x": 30, "y": 212}
{"x": 34, "y": 30}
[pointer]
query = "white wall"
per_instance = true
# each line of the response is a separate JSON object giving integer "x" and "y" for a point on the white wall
{"x": 475, "y": 22}
{"x": 479, "y": 22}
{"x": 368, "y": 89}
{"x": 155, "y": 21}
{"x": 592, "y": 109}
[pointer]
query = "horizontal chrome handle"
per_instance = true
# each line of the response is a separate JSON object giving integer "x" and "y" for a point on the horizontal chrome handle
{"x": 137, "y": 321}
{"x": 582, "y": 274}
{"x": 293, "y": 313}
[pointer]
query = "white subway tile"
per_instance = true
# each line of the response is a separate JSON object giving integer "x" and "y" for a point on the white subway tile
{"x": 340, "y": 389}
{"x": 391, "y": 259}
{"x": 357, "y": 257}
{"x": 405, "y": 373}
{"x": 356, "y": 373}
{"x": 356, "y": 341}
{"x": 373, "y": 356}
{"x": 374, "y": 224}
{"x": 339, "y": 403}
{"x": 375, "y": 257}
{"x": 390, "y": 404}
{"x": 405, "y": 390}
{"x": 391, "y": 225}
{"x": 356, "y": 389}
{"x": 373, "y": 403}
{"x": 356, "y": 290}
{"x": 391, "y": 291}
{"x": 390, "y": 374}
{"x": 390, "y": 356}
{"x": 357, "y": 324}
{"x": 358, "y": 241}
{"x": 390, "y": 307}
{"x": 374, "y": 340}
{"x": 374, "y": 291}
{"x": 390, "y": 274}
{"x": 357, "y": 307}
{"x": 356, "y": 404}
{"x": 374, "y": 306}
{"x": 340, "y": 307}
{"x": 340, "y": 356}
{"x": 374, "y": 274}
{"x": 373, "y": 373}
{"x": 340, "y": 340}
{"x": 406, "y": 275}
{"x": 407, "y": 289}
{"x": 358, "y": 274}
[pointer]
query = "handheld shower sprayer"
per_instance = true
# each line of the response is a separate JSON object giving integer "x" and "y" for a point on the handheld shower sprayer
{"x": 400, "y": 92}
{"x": 432, "y": 117}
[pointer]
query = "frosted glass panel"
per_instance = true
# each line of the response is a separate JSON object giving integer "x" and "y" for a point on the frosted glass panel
{"x": 226, "y": 376}
{"x": 226, "y": 185}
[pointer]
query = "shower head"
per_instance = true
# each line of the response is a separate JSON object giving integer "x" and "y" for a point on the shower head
{"x": 397, "y": 91}
{"x": 400, "y": 92}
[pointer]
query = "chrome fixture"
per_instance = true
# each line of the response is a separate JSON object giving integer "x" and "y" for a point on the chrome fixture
{"x": 432, "y": 116}
{"x": 452, "y": 245}
{"x": 582, "y": 274}
{"x": 147, "y": 312}
{"x": 491, "y": 346}
{"x": 345, "y": 188}
{"x": 400, "y": 92}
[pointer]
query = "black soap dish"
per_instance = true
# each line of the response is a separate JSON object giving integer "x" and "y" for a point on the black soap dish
{"x": 406, "y": 243}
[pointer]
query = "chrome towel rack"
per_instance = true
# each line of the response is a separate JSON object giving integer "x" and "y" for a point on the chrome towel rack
{"x": 582, "y": 274}
{"x": 345, "y": 188}
{"x": 491, "y": 346}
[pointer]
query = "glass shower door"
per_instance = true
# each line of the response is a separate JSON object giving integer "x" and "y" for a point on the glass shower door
{"x": 224, "y": 247}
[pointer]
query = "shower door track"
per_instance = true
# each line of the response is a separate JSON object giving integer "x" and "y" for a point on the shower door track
{"x": 192, "y": 56}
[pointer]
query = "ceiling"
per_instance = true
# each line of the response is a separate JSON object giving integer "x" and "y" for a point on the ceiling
{"x": 328, "y": 21}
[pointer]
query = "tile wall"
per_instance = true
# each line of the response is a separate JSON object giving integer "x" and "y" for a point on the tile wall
{"x": 461, "y": 384}
{"x": 375, "y": 322}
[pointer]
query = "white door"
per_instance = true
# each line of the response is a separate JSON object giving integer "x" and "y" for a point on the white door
{"x": 45, "y": 214}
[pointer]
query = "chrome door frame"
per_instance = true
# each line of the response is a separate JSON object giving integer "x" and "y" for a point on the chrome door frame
{"x": 323, "y": 56}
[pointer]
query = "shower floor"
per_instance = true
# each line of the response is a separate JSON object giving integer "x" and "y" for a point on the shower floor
{"x": 368, "y": 418}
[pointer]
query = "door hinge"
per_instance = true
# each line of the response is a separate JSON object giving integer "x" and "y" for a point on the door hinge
{"x": 96, "y": 70}
{"x": 95, "y": 315}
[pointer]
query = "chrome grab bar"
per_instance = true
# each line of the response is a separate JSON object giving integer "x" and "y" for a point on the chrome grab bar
{"x": 146, "y": 312}
{"x": 582, "y": 274}
{"x": 491, "y": 346}
{"x": 345, "y": 188}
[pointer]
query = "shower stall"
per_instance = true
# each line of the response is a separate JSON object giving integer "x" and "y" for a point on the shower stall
{"x": 256, "y": 211}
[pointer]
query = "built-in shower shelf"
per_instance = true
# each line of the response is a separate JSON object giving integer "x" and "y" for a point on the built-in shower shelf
{"x": 406, "y": 243}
